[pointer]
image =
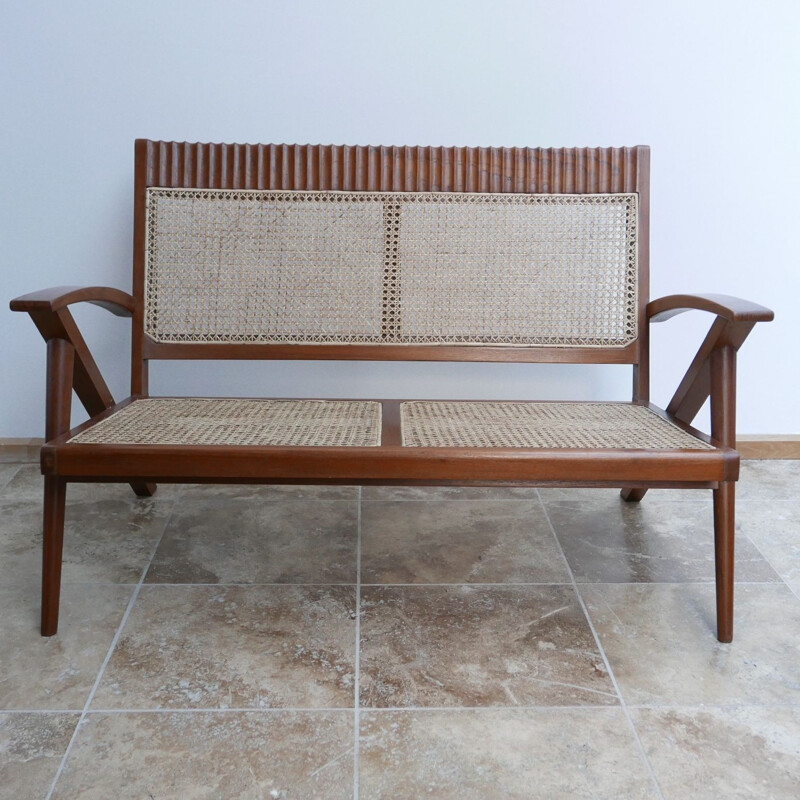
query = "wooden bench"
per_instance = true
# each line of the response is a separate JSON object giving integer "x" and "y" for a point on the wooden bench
{"x": 390, "y": 253}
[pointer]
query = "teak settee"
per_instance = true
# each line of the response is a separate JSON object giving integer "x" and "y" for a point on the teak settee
{"x": 390, "y": 253}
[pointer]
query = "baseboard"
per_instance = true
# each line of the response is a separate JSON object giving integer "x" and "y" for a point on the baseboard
{"x": 20, "y": 450}
{"x": 762, "y": 447}
{"x": 751, "y": 446}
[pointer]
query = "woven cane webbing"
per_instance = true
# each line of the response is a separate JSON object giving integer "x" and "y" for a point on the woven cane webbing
{"x": 508, "y": 269}
{"x": 545, "y": 425}
{"x": 272, "y": 267}
{"x": 391, "y": 268}
{"x": 211, "y": 421}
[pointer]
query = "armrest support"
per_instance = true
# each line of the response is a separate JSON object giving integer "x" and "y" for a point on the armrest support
{"x": 735, "y": 318}
{"x": 712, "y": 372}
{"x": 70, "y": 363}
{"x": 57, "y": 297}
{"x": 732, "y": 309}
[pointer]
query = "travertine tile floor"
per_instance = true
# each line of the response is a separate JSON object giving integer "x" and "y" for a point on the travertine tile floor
{"x": 513, "y": 644}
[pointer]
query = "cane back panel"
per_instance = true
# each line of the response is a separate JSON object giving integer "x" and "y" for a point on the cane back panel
{"x": 268, "y": 245}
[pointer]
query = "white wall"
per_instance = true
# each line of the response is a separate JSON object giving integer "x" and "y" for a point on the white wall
{"x": 711, "y": 86}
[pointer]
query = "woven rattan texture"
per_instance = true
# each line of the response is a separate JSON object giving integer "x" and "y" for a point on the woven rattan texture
{"x": 211, "y": 421}
{"x": 545, "y": 425}
{"x": 391, "y": 268}
{"x": 249, "y": 266}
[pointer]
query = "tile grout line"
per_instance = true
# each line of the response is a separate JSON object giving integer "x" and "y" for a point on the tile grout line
{"x": 357, "y": 679}
{"x": 111, "y": 649}
{"x": 623, "y": 704}
{"x": 10, "y": 477}
{"x": 795, "y": 592}
{"x": 278, "y": 710}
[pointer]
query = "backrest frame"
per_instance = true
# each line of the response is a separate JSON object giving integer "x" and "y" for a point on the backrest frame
{"x": 391, "y": 169}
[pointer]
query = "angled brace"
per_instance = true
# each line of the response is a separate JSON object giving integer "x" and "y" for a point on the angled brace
{"x": 713, "y": 369}
{"x": 50, "y": 313}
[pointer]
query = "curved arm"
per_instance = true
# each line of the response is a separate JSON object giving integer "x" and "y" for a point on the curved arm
{"x": 711, "y": 373}
{"x": 57, "y": 297}
{"x": 731, "y": 309}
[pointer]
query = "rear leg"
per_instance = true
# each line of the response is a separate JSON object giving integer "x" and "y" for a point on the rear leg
{"x": 631, "y": 494}
{"x": 55, "y": 493}
{"x": 724, "y": 557}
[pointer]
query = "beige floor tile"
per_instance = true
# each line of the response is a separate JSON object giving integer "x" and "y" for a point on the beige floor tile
{"x": 234, "y": 647}
{"x": 501, "y": 753}
{"x": 233, "y": 539}
{"x": 56, "y": 672}
{"x": 734, "y": 753}
{"x": 774, "y": 529}
{"x": 662, "y": 647}
{"x": 7, "y": 472}
{"x": 609, "y": 541}
{"x": 581, "y": 495}
{"x": 28, "y": 486}
{"x": 31, "y": 749}
{"x": 396, "y": 493}
{"x": 267, "y": 494}
{"x": 438, "y": 646}
{"x": 768, "y": 480}
{"x": 106, "y": 540}
{"x": 244, "y": 755}
{"x": 442, "y": 541}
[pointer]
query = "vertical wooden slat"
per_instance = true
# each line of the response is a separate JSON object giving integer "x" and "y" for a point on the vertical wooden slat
{"x": 616, "y": 170}
{"x": 493, "y": 169}
{"x": 371, "y": 180}
{"x": 519, "y": 169}
{"x": 434, "y": 175}
{"x": 556, "y": 170}
{"x": 470, "y": 169}
{"x": 335, "y": 168}
{"x": 261, "y": 167}
{"x": 569, "y": 170}
{"x": 176, "y": 164}
{"x": 189, "y": 165}
{"x": 630, "y": 169}
{"x": 591, "y": 171}
{"x": 544, "y": 170}
{"x": 385, "y": 168}
{"x": 484, "y": 177}
{"x": 423, "y": 165}
{"x": 298, "y": 167}
{"x": 604, "y": 173}
{"x": 323, "y": 168}
{"x": 458, "y": 157}
{"x": 398, "y": 169}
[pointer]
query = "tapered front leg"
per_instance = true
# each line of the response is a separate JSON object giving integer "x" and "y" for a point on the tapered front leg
{"x": 60, "y": 368}
{"x": 55, "y": 492}
{"x": 724, "y": 532}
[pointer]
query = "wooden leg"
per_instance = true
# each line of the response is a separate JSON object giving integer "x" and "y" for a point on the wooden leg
{"x": 144, "y": 489}
{"x": 60, "y": 369}
{"x": 723, "y": 546}
{"x": 55, "y": 492}
{"x": 632, "y": 495}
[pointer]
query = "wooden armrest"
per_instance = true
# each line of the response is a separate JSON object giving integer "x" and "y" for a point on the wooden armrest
{"x": 731, "y": 309}
{"x": 70, "y": 365}
{"x": 58, "y": 297}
